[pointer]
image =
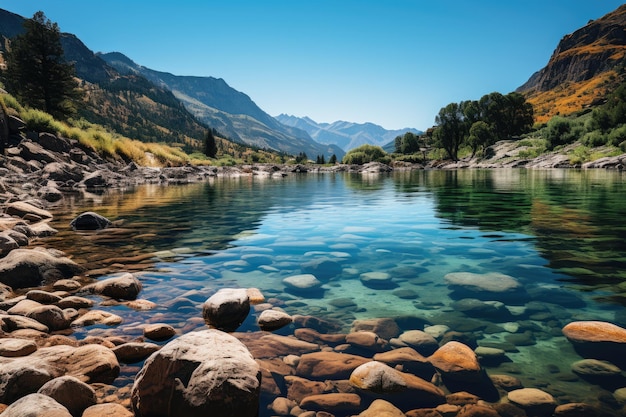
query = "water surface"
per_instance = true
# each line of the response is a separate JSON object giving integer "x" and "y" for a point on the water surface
{"x": 560, "y": 233}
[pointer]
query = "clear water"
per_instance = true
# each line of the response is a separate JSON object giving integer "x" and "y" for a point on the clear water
{"x": 561, "y": 233}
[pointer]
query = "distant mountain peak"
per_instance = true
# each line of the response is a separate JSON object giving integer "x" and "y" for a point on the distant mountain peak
{"x": 347, "y": 135}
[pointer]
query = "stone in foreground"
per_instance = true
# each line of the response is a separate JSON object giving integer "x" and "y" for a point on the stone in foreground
{"x": 202, "y": 373}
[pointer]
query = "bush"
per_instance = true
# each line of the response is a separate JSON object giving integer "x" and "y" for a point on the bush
{"x": 594, "y": 139}
{"x": 366, "y": 153}
{"x": 562, "y": 131}
{"x": 617, "y": 136}
{"x": 40, "y": 121}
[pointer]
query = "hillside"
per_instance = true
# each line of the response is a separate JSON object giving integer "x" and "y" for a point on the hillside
{"x": 231, "y": 112}
{"x": 346, "y": 135}
{"x": 586, "y": 65}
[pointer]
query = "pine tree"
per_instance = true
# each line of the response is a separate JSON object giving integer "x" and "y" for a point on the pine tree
{"x": 37, "y": 72}
{"x": 210, "y": 145}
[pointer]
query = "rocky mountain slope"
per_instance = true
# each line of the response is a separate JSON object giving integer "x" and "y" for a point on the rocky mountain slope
{"x": 346, "y": 135}
{"x": 586, "y": 65}
{"x": 231, "y": 112}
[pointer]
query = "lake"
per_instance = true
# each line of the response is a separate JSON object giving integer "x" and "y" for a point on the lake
{"x": 384, "y": 245}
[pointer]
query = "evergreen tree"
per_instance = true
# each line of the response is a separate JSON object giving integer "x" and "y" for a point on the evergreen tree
{"x": 210, "y": 145}
{"x": 333, "y": 159}
{"x": 37, "y": 72}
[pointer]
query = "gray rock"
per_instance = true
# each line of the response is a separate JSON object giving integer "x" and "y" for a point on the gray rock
{"x": 185, "y": 378}
{"x": 23, "y": 268}
{"x": 133, "y": 352}
{"x": 323, "y": 268}
{"x": 123, "y": 287}
{"x": 90, "y": 221}
{"x": 22, "y": 209}
{"x": 227, "y": 308}
{"x": 51, "y": 316}
{"x": 273, "y": 319}
{"x": 303, "y": 282}
{"x": 10, "y": 347}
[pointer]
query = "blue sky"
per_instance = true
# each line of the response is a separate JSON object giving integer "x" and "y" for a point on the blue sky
{"x": 394, "y": 62}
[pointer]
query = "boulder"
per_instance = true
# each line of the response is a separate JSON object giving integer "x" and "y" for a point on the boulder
{"x": 408, "y": 360}
{"x": 226, "y": 309}
{"x": 367, "y": 340}
{"x": 97, "y": 317}
{"x": 273, "y": 345}
{"x": 133, "y": 352}
{"x": 54, "y": 143}
{"x": 273, "y": 320}
{"x": 123, "y": 287}
{"x": 71, "y": 393}
{"x": 328, "y": 365}
{"x": 51, "y": 316}
{"x": 20, "y": 378}
{"x": 10, "y": 323}
{"x": 90, "y": 221}
{"x": 386, "y": 328}
{"x": 419, "y": 340}
{"x": 322, "y": 268}
{"x": 461, "y": 371}
{"x": 159, "y": 331}
{"x": 107, "y": 410}
{"x": 7, "y": 244}
{"x": 489, "y": 286}
{"x": 10, "y": 347}
{"x": 23, "y": 268}
{"x": 201, "y": 373}
{"x": 36, "y": 405}
{"x": 381, "y": 408}
{"x": 533, "y": 401}
{"x": 598, "y": 340}
{"x": 578, "y": 410}
{"x": 377, "y": 280}
{"x": 23, "y": 209}
{"x": 405, "y": 390}
{"x": 303, "y": 283}
{"x": 334, "y": 403}
{"x": 32, "y": 151}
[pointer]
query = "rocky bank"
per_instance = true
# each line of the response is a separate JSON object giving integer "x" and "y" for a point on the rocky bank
{"x": 379, "y": 368}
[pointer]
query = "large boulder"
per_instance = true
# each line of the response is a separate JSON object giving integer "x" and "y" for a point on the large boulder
{"x": 406, "y": 391}
{"x": 226, "y": 309}
{"x": 123, "y": 287}
{"x": 202, "y": 373}
{"x": 36, "y": 405}
{"x": 23, "y": 268}
{"x": 70, "y": 392}
{"x": 23, "y": 209}
{"x": 598, "y": 340}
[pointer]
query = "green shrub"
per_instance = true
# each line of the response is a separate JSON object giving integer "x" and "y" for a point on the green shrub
{"x": 562, "y": 131}
{"x": 617, "y": 136}
{"x": 594, "y": 139}
{"x": 40, "y": 121}
{"x": 366, "y": 153}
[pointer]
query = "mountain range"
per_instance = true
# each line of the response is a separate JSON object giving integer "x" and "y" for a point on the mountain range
{"x": 347, "y": 135}
{"x": 179, "y": 109}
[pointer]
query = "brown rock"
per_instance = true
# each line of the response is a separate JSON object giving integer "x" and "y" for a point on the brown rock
{"x": 22, "y": 209}
{"x": 313, "y": 336}
{"x": 475, "y": 410}
{"x": 74, "y": 301}
{"x": 107, "y": 410}
{"x": 133, "y": 352}
{"x": 36, "y": 405}
{"x": 386, "y": 328}
{"x": 419, "y": 340}
{"x": 381, "y": 408}
{"x": 506, "y": 382}
{"x": 407, "y": 390}
{"x": 534, "y": 401}
{"x": 11, "y": 323}
{"x": 335, "y": 403}
{"x": 598, "y": 340}
{"x": 43, "y": 297}
{"x": 97, "y": 317}
{"x": 298, "y": 388}
{"x": 221, "y": 381}
{"x": 462, "y": 398}
{"x": 51, "y": 316}
{"x": 328, "y": 365}
{"x": 270, "y": 320}
{"x": 577, "y": 410}
{"x": 264, "y": 345}
{"x": 455, "y": 358}
{"x": 159, "y": 331}
{"x": 66, "y": 285}
{"x": 123, "y": 287}
{"x": 11, "y": 348}
{"x": 23, "y": 268}
{"x": 70, "y": 392}
{"x": 409, "y": 359}
{"x": 368, "y": 341}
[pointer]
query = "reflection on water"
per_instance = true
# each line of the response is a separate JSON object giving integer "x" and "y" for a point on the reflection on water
{"x": 559, "y": 233}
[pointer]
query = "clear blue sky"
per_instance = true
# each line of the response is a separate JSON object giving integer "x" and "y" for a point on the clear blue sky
{"x": 394, "y": 62}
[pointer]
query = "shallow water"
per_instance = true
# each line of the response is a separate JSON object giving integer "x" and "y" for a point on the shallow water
{"x": 560, "y": 233}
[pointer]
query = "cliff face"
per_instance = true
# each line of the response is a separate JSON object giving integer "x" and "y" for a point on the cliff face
{"x": 584, "y": 67}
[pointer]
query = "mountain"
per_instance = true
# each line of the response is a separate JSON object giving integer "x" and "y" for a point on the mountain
{"x": 586, "y": 65}
{"x": 129, "y": 105}
{"x": 346, "y": 135}
{"x": 229, "y": 111}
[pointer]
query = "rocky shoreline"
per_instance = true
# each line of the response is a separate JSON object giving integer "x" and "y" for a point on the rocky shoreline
{"x": 295, "y": 365}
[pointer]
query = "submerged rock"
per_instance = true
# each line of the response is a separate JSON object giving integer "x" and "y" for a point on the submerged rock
{"x": 598, "y": 340}
{"x": 201, "y": 373}
{"x": 90, "y": 221}
{"x": 226, "y": 309}
{"x": 489, "y": 286}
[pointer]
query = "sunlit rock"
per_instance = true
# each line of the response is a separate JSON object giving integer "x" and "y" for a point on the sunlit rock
{"x": 226, "y": 309}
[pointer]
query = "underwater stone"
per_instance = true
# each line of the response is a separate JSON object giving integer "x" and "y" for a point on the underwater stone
{"x": 598, "y": 340}
{"x": 303, "y": 282}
